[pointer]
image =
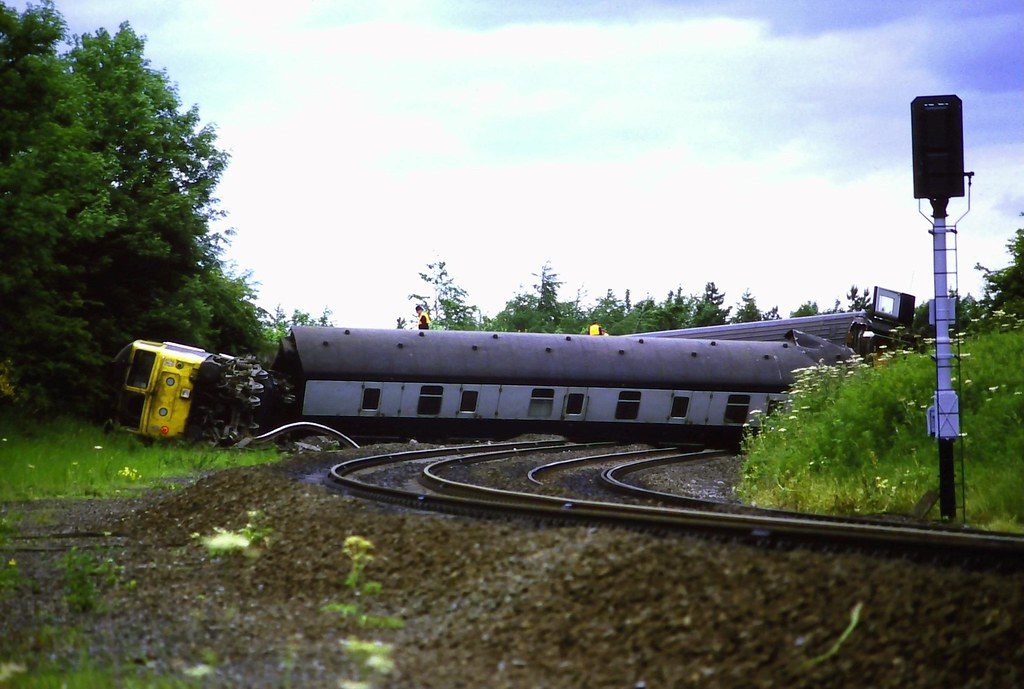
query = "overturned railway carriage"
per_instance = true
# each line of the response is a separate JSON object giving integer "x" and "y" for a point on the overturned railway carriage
{"x": 443, "y": 385}
{"x": 437, "y": 384}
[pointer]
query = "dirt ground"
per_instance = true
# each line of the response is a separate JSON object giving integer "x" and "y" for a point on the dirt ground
{"x": 483, "y": 603}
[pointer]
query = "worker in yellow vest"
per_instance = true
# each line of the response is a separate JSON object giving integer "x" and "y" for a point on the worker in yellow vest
{"x": 423, "y": 318}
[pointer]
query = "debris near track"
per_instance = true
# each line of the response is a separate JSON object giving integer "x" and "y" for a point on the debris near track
{"x": 484, "y": 603}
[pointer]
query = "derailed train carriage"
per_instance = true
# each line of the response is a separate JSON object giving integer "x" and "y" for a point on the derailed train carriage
{"x": 434, "y": 385}
{"x": 372, "y": 384}
{"x": 476, "y": 384}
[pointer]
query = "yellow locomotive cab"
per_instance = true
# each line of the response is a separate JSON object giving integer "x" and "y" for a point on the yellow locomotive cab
{"x": 156, "y": 392}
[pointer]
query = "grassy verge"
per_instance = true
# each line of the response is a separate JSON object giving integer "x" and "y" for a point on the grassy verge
{"x": 70, "y": 459}
{"x": 86, "y": 677}
{"x": 67, "y": 458}
{"x": 854, "y": 440}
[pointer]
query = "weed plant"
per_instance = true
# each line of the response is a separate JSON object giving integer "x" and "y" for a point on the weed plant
{"x": 246, "y": 540}
{"x": 360, "y": 552}
{"x": 87, "y": 577}
{"x": 68, "y": 458}
{"x": 853, "y": 439}
{"x": 373, "y": 660}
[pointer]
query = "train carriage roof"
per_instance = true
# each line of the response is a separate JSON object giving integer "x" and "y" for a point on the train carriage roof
{"x": 833, "y": 327}
{"x": 544, "y": 359}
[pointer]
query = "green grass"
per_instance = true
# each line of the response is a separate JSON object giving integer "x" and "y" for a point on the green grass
{"x": 67, "y": 458}
{"x": 854, "y": 440}
{"x": 70, "y": 459}
{"x": 88, "y": 676}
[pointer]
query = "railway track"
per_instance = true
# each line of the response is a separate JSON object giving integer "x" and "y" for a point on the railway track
{"x": 590, "y": 483}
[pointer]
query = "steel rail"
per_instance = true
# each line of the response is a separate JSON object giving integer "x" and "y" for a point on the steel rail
{"x": 341, "y": 473}
{"x": 612, "y": 478}
{"x": 458, "y": 496}
{"x": 562, "y": 464}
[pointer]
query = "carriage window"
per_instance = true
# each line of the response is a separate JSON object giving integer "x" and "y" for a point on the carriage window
{"x": 574, "y": 404}
{"x": 469, "y": 400}
{"x": 541, "y": 402}
{"x": 142, "y": 367}
{"x": 775, "y": 405}
{"x": 629, "y": 405}
{"x": 736, "y": 409}
{"x": 430, "y": 400}
{"x": 680, "y": 405}
{"x": 130, "y": 410}
{"x": 371, "y": 399}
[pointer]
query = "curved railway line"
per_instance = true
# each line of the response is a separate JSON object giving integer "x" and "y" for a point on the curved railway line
{"x": 588, "y": 483}
{"x": 541, "y": 601}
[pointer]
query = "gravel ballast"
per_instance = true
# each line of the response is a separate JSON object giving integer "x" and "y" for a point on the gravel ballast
{"x": 485, "y": 603}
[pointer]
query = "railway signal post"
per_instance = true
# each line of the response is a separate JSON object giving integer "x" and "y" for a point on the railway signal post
{"x": 938, "y": 151}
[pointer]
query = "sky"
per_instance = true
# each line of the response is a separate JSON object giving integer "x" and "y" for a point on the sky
{"x": 646, "y": 146}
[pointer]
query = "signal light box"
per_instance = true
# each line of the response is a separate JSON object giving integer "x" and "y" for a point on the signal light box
{"x": 937, "y": 125}
{"x": 894, "y": 306}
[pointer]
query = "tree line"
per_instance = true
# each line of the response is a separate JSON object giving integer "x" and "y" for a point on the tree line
{"x": 540, "y": 309}
{"x": 107, "y": 199}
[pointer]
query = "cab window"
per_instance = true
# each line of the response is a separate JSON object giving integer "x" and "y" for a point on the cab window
{"x": 141, "y": 370}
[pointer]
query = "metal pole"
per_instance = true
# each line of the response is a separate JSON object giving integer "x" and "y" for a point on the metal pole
{"x": 944, "y": 416}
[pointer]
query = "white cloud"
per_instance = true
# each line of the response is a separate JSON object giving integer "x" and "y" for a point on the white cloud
{"x": 645, "y": 152}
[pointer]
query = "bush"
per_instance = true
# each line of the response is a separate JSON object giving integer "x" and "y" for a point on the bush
{"x": 853, "y": 439}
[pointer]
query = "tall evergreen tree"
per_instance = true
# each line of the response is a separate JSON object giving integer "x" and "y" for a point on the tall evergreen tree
{"x": 547, "y": 298}
{"x": 857, "y": 300}
{"x": 540, "y": 311}
{"x": 746, "y": 310}
{"x": 709, "y": 309}
{"x": 611, "y": 313}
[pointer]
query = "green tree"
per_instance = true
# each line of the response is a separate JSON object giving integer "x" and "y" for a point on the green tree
{"x": 106, "y": 195}
{"x": 709, "y": 309}
{"x": 548, "y": 307}
{"x": 857, "y": 301}
{"x": 520, "y": 315}
{"x": 746, "y": 310}
{"x": 447, "y": 304}
{"x": 971, "y": 317}
{"x": 610, "y": 313}
{"x": 52, "y": 200}
{"x": 157, "y": 258}
{"x": 675, "y": 312}
{"x": 644, "y": 316}
{"x": 836, "y": 307}
{"x": 277, "y": 325}
{"x": 1004, "y": 288}
{"x": 808, "y": 308}
{"x": 540, "y": 311}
